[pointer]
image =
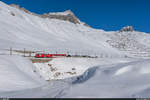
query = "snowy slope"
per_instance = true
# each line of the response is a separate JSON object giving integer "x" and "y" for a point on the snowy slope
{"x": 17, "y": 73}
{"x": 62, "y": 68}
{"x": 63, "y": 31}
{"x": 20, "y": 79}
{"x": 122, "y": 80}
{"x": 135, "y": 43}
{"x": 23, "y": 30}
{"x": 125, "y": 77}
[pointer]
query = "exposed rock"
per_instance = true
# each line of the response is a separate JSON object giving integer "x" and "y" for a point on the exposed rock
{"x": 25, "y": 10}
{"x": 71, "y": 73}
{"x": 14, "y": 5}
{"x": 18, "y": 7}
{"x": 66, "y": 15}
{"x": 73, "y": 68}
{"x": 12, "y": 14}
{"x": 57, "y": 74}
{"x": 127, "y": 29}
{"x": 87, "y": 25}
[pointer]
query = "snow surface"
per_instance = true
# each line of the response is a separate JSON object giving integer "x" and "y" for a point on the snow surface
{"x": 24, "y": 30}
{"x": 19, "y": 79}
{"x": 111, "y": 75}
{"x": 17, "y": 74}
{"x": 76, "y": 66}
{"x": 28, "y": 31}
{"x": 62, "y": 13}
{"x": 104, "y": 78}
{"x": 126, "y": 77}
{"x": 123, "y": 80}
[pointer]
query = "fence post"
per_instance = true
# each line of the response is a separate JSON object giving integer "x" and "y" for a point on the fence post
{"x": 10, "y": 50}
{"x": 67, "y": 52}
{"x": 29, "y": 54}
{"x": 24, "y": 51}
{"x": 95, "y": 55}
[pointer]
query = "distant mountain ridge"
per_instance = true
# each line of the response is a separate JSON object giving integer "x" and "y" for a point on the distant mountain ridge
{"x": 67, "y": 15}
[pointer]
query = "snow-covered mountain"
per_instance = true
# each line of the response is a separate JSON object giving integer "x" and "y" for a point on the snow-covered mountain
{"x": 71, "y": 76}
{"x": 63, "y": 31}
{"x": 131, "y": 42}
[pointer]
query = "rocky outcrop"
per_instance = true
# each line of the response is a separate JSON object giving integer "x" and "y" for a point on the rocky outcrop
{"x": 21, "y": 8}
{"x": 66, "y": 16}
{"x": 127, "y": 29}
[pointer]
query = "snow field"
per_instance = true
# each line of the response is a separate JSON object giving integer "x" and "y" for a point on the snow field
{"x": 122, "y": 80}
{"x": 61, "y": 68}
{"x": 17, "y": 73}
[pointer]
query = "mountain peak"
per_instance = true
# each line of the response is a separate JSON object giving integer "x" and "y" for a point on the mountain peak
{"x": 127, "y": 29}
{"x": 67, "y": 15}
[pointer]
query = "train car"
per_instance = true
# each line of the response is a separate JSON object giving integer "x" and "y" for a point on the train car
{"x": 43, "y": 56}
{"x": 49, "y": 55}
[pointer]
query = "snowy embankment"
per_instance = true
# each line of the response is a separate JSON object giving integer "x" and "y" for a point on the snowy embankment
{"x": 17, "y": 74}
{"x": 61, "y": 68}
{"x": 128, "y": 79}
{"x": 19, "y": 78}
{"x": 124, "y": 77}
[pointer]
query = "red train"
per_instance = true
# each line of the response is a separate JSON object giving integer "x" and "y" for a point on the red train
{"x": 48, "y": 55}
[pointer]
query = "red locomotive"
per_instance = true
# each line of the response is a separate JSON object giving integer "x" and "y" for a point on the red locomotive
{"x": 48, "y": 55}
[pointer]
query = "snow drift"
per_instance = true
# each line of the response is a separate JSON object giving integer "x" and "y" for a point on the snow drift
{"x": 20, "y": 79}
{"x": 124, "y": 80}
{"x": 17, "y": 74}
{"x": 62, "y": 68}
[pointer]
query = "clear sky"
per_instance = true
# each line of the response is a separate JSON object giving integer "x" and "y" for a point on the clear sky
{"x": 103, "y": 14}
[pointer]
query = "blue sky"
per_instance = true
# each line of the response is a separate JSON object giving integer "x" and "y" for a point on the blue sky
{"x": 103, "y": 14}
